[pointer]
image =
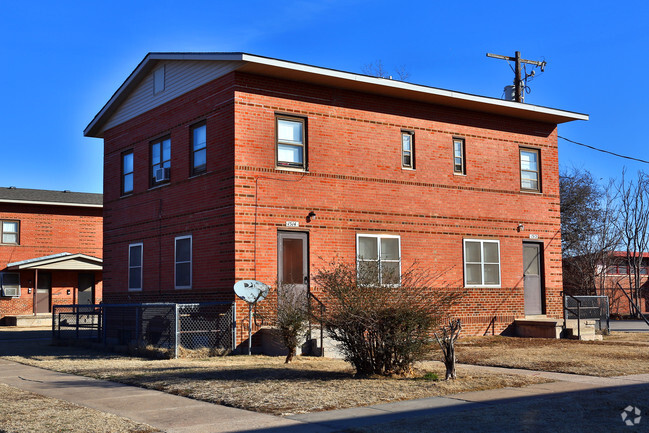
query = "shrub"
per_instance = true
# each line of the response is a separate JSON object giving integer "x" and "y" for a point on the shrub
{"x": 382, "y": 329}
{"x": 292, "y": 316}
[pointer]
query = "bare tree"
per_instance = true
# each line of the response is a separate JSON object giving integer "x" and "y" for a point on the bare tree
{"x": 633, "y": 223}
{"x": 449, "y": 334}
{"x": 588, "y": 231}
{"x": 377, "y": 69}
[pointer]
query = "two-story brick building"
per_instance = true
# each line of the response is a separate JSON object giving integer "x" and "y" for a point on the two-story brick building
{"x": 228, "y": 166}
{"x": 50, "y": 251}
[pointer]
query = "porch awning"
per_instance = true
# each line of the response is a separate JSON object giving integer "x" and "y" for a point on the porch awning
{"x": 60, "y": 262}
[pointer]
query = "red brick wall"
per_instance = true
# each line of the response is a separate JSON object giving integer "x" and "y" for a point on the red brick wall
{"x": 355, "y": 184}
{"x": 46, "y": 230}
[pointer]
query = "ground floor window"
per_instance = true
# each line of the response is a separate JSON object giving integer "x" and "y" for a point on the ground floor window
{"x": 10, "y": 284}
{"x": 184, "y": 262}
{"x": 378, "y": 259}
{"x": 135, "y": 267}
{"x": 481, "y": 263}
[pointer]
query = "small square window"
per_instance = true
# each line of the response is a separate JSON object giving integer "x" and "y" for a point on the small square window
{"x": 199, "y": 149}
{"x": 459, "y": 165}
{"x": 291, "y": 142}
{"x": 10, "y": 284}
{"x": 481, "y": 263}
{"x": 530, "y": 170}
{"x": 378, "y": 259}
{"x": 10, "y": 232}
{"x": 407, "y": 150}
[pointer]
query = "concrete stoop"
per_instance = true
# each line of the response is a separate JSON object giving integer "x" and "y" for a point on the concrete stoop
{"x": 28, "y": 320}
{"x": 544, "y": 327}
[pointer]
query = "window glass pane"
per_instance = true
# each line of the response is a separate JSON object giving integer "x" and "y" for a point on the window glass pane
{"x": 490, "y": 252}
{"x": 368, "y": 248}
{"x": 492, "y": 274}
{"x": 529, "y": 182}
{"x": 472, "y": 251}
{"x": 135, "y": 278}
{"x": 166, "y": 150}
{"x": 155, "y": 153}
{"x": 183, "y": 250}
{"x": 9, "y": 238}
{"x": 199, "y": 137}
{"x": 457, "y": 147}
{"x": 473, "y": 274}
{"x": 288, "y": 153}
{"x": 531, "y": 260}
{"x": 10, "y": 280}
{"x": 199, "y": 159}
{"x": 389, "y": 249}
{"x": 288, "y": 130}
{"x": 406, "y": 160}
{"x": 406, "y": 141}
{"x": 128, "y": 183}
{"x": 183, "y": 274}
{"x": 528, "y": 160}
{"x": 8, "y": 226}
{"x": 292, "y": 261}
{"x": 135, "y": 256}
{"x": 128, "y": 163}
{"x": 368, "y": 272}
{"x": 390, "y": 273}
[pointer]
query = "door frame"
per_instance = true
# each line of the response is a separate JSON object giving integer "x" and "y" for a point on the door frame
{"x": 541, "y": 247}
{"x": 307, "y": 254}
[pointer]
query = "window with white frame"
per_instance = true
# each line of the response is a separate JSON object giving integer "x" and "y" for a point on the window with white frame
{"x": 127, "y": 172}
{"x": 407, "y": 149}
{"x": 530, "y": 172}
{"x": 459, "y": 166}
{"x": 10, "y": 284}
{"x": 481, "y": 263}
{"x": 160, "y": 161}
{"x": 378, "y": 259}
{"x": 291, "y": 142}
{"x": 135, "y": 267}
{"x": 10, "y": 231}
{"x": 199, "y": 149}
{"x": 183, "y": 262}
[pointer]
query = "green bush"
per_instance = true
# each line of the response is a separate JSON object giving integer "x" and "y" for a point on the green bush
{"x": 382, "y": 329}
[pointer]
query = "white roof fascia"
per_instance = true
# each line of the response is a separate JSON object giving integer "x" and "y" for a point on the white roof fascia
{"x": 51, "y": 203}
{"x": 48, "y": 260}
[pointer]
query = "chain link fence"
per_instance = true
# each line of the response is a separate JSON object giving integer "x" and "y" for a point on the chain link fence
{"x": 590, "y": 307}
{"x": 174, "y": 329}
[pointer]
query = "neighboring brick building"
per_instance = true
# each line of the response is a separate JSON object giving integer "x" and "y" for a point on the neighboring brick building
{"x": 50, "y": 250}
{"x": 214, "y": 162}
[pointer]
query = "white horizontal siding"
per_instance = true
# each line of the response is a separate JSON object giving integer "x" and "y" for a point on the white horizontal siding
{"x": 180, "y": 78}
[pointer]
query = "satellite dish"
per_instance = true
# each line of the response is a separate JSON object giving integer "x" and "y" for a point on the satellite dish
{"x": 251, "y": 291}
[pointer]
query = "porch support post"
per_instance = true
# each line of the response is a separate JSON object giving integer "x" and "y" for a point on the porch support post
{"x": 35, "y": 290}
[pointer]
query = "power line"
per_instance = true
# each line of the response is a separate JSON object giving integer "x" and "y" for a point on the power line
{"x": 605, "y": 151}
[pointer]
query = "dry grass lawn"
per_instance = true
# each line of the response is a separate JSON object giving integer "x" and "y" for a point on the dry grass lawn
{"x": 263, "y": 383}
{"x": 617, "y": 355}
{"x": 25, "y": 412}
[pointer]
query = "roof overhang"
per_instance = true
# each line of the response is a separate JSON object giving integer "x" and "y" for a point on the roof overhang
{"x": 60, "y": 262}
{"x": 51, "y": 203}
{"x": 339, "y": 79}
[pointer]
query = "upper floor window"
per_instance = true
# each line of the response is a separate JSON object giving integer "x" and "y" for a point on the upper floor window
{"x": 459, "y": 166}
{"x": 378, "y": 259}
{"x": 407, "y": 150}
{"x": 127, "y": 172}
{"x": 10, "y": 232}
{"x": 183, "y": 262}
{"x": 160, "y": 161}
{"x": 291, "y": 142}
{"x": 10, "y": 284}
{"x": 481, "y": 263}
{"x": 135, "y": 266}
{"x": 530, "y": 173}
{"x": 199, "y": 149}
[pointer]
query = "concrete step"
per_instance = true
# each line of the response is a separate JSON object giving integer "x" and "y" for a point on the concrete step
{"x": 29, "y": 320}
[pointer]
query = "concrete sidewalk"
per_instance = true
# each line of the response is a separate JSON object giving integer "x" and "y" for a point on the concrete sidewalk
{"x": 172, "y": 413}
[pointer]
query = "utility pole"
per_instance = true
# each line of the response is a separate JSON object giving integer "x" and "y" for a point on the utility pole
{"x": 518, "y": 81}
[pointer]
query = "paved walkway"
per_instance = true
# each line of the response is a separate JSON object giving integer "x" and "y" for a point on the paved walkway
{"x": 172, "y": 413}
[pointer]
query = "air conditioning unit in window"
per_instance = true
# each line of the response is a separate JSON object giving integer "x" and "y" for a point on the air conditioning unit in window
{"x": 11, "y": 291}
{"x": 162, "y": 174}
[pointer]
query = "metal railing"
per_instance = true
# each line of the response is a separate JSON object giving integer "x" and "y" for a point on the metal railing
{"x": 587, "y": 307}
{"x": 175, "y": 329}
{"x": 567, "y": 310}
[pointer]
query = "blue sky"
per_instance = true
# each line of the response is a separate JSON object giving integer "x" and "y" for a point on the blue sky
{"x": 61, "y": 62}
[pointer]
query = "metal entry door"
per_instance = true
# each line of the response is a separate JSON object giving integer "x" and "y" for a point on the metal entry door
{"x": 533, "y": 278}
{"x": 293, "y": 259}
{"x": 44, "y": 292}
{"x": 86, "y": 293}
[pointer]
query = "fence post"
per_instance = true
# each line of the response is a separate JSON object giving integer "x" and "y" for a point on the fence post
{"x": 53, "y": 321}
{"x": 177, "y": 333}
